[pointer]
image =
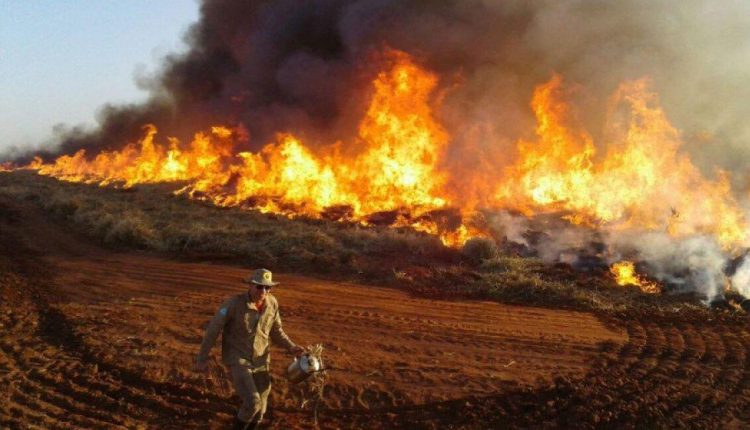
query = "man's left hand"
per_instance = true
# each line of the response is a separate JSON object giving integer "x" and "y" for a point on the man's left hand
{"x": 297, "y": 351}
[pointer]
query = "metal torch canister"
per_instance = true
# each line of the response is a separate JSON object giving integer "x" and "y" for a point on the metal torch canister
{"x": 302, "y": 368}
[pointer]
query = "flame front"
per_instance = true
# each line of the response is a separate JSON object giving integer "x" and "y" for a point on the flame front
{"x": 641, "y": 182}
{"x": 399, "y": 146}
{"x": 392, "y": 166}
{"x": 625, "y": 274}
{"x": 638, "y": 179}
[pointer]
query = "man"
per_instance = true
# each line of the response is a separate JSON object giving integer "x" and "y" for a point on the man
{"x": 248, "y": 320}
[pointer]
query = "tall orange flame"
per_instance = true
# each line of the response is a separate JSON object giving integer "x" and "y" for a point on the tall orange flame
{"x": 641, "y": 182}
{"x": 639, "y": 179}
{"x": 396, "y": 168}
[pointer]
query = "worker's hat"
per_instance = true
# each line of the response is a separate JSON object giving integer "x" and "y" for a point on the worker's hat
{"x": 261, "y": 277}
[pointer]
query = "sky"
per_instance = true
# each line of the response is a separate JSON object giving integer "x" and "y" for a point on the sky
{"x": 60, "y": 61}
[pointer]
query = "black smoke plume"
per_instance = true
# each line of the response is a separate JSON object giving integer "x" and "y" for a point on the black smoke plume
{"x": 303, "y": 67}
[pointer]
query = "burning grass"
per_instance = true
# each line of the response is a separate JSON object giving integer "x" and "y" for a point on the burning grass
{"x": 401, "y": 158}
{"x": 629, "y": 197}
{"x": 150, "y": 217}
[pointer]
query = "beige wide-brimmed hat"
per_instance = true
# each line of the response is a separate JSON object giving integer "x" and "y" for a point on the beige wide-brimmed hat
{"x": 261, "y": 277}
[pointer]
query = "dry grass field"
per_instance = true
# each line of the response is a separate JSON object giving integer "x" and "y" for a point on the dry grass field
{"x": 150, "y": 218}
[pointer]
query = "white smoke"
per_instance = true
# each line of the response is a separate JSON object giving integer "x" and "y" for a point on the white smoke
{"x": 741, "y": 278}
{"x": 694, "y": 264}
{"x": 512, "y": 228}
{"x": 691, "y": 264}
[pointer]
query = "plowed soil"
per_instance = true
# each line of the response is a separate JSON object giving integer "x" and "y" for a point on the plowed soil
{"x": 93, "y": 338}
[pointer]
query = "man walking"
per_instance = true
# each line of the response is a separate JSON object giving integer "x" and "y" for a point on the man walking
{"x": 248, "y": 320}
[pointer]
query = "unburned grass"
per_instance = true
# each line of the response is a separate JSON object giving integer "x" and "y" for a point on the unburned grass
{"x": 151, "y": 217}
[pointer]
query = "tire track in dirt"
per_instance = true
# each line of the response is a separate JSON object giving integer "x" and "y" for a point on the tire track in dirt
{"x": 438, "y": 335}
{"x": 665, "y": 377}
{"x": 48, "y": 377}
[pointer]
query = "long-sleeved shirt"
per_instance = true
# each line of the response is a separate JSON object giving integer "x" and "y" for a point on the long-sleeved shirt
{"x": 246, "y": 332}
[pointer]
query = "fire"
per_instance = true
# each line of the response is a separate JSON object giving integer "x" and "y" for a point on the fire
{"x": 625, "y": 274}
{"x": 394, "y": 166}
{"x": 642, "y": 181}
{"x": 637, "y": 179}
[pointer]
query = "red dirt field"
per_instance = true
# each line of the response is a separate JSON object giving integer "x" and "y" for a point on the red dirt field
{"x": 93, "y": 338}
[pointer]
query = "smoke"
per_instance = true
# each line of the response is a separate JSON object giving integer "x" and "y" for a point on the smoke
{"x": 695, "y": 264}
{"x": 265, "y": 67}
{"x": 302, "y": 67}
{"x": 693, "y": 51}
{"x": 741, "y": 278}
{"x": 692, "y": 264}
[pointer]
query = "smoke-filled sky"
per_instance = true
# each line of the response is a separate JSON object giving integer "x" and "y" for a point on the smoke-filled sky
{"x": 302, "y": 67}
{"x": 60, "y": 61}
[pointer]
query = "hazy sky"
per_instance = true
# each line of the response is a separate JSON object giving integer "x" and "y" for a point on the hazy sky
{"x": 62, "y": 60}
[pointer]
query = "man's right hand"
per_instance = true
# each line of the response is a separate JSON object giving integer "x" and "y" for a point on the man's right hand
{"x": 201, "y": 366}
{"x": 297, "y": 351}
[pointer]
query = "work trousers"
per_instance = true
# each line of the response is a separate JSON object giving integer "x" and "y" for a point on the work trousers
{"x": 253, "y": 387}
